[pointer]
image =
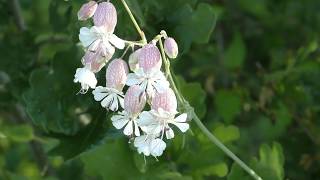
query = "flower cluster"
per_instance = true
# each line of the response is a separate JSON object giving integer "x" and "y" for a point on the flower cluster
{"x": 147, "y": 111}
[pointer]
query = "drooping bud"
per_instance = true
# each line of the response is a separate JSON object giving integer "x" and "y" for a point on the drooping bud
{"x": 171, "y": 48}
{"x": 87, "y": 10}
{"x": 166, "y": 100}
{"x": 106, "y": 16}
{"x": 116, "y": 74}
{"x": 133, "y": 60}
{"x": 149, "y": 58}
{"x": 134, "y": 100}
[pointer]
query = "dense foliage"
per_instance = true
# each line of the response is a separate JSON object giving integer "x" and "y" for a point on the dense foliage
{"x": 250, "y": 69}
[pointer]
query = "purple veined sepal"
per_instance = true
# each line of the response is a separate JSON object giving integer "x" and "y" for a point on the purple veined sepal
{"x": 111, "y": 96}
{"x": 134, "y": 102}
{"x": 166, "y": 100}
{"x": 87, "y": 10}
{"x": 149, "y": 58}
{"x": 106, "y": 16}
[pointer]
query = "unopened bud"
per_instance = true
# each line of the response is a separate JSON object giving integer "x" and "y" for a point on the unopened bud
{"x": 149, "y": 58}
{"x": 116, "y": 74}
{"x": 133, "y": 60}
{"x": 171, "y": 48}
{"x": 134, "y": 100}
{"x": 87, "y": 10}
{"x": 166, "y": 100}
{"x": 106, "y": 16}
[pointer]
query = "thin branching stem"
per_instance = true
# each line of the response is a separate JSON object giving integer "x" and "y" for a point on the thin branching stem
{"x": 184, "y": 103}
{"x": 190, "y": 110}
{"x": 141, "y": 33}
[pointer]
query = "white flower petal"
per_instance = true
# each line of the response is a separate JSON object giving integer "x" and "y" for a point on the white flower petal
{"x": 145, "y": 119}
{"x": 119, "y": 121}
{"x": 182, "y": 126}
{"x": 169, "y": 133}
{"x": 181, "y": 118}
{"x": 128, "y": 130}
{"x": 99, "y": 93}
{"x": 133, "y": 79}
{"x": 142, "y": 145}
{"x": 107, "y": 101}
{"x": 110, "y": 49}
{"x": 157, "y": 146}
{"x": 116, "y": 41}
{"x": 114, "y": 103}
{"x": 87, "y": 37}
{"x": 86, "y": 78}
{"x": 136, "y": 129}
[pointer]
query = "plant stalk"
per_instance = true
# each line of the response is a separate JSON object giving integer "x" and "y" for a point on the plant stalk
{"x": 190, "y": 111}
{"x": 141, "y": 33}
{"x": 185, "y": 104}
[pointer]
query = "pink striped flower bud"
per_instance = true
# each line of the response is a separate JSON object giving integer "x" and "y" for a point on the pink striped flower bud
{"x": 171, "y": 48}
{"x": 106, "y": 16}
{"x": 116, "y": 74}
{"x": 134, "y": 100}
{"x": 149, "y": 58}
{"x": 87, "y": 10}
{"x": 166, "y": 100}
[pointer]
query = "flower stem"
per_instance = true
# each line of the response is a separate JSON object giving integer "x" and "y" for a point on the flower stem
{"x": 190, "y": 110}
{"x": 141, "y": 33}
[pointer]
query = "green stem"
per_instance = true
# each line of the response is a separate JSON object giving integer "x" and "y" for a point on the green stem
{"x": 141, "y": 33}
{"x": 190, "y": 110}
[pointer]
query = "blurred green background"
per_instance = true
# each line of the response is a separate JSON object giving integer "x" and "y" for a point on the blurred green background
{"x": 250, "y": 68}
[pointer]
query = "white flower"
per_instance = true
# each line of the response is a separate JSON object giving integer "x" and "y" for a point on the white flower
{"x": 150, "y": 145}
{"x": 157, "y": 122}
{"x": 126, "y": 119}
{"x": 110, "y": 98}
{"x": 151, "y": 82}
{"x": 86, "y": 78}
{"x": 99, "y": 37}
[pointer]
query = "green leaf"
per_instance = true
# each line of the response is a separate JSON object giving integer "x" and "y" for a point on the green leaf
{"x": 114, "y": 160}
{"x": 194, "y": 94}
{"x": 270, "y": 164}
{"x": 236, "y": 53}
{"x": 228, "y": 104}
{"x": 189, "y": 30}
{"x": 51, "y": 101}
{"x": 256, "y": 7}
{"x": 19, "y": 133}
{"x": 238, "y": 173}
{"x": 220, "y": 170}
{"x": 59, "y": 15}
{"x": 86, "y": 139}
{"x": 226, "y": 133}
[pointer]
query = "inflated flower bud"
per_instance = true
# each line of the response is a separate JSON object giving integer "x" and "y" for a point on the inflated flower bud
{"x": 87, "y": 10}
{"x": 95, "y": 60}
{"x": 166, "y": 100}
{"x": 133, "y": 60}
{"x": 106, "y": 16}
{"x": 171, "y": 48}
{"x": 149, "y": 58}
{"x": 134, "y": 100}
{"x": 116, "y": 74}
